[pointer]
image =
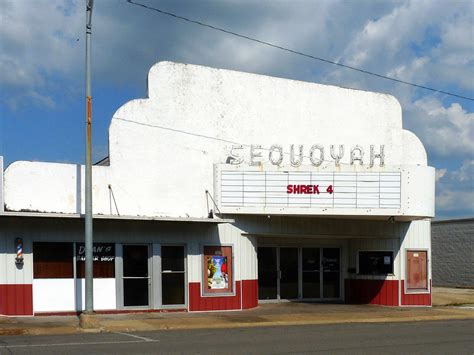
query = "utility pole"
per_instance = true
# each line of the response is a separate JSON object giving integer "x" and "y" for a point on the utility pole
{"x": 88, "y": 168}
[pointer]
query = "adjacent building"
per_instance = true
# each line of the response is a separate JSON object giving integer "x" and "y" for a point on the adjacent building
{"x": 453, "y": 252}
{"x": 222, "y": 190}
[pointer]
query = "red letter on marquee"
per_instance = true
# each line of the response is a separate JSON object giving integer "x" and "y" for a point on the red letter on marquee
{"x": 289, "y": 189}
{"x": 329, "y": 189}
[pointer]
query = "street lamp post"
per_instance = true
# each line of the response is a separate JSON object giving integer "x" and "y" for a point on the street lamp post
{"x": 88, "y": 168}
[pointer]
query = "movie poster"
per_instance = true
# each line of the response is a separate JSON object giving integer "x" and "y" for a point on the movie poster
{"x": 217, "y": 270}
{"x": 217, "y": 277}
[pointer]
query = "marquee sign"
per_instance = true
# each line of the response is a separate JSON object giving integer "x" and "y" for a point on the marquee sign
{"x": 256, "y": 155}
{"x": 261, "y": 190}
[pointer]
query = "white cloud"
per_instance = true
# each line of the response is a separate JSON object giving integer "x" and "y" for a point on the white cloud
{"x": 410, "y": 71}
{"x": 39, "y": 46}
{"x": 455, "y": 190}
{"x": 440, "y": 173}
{"x": 445, "y": 131}
{"x": 453, "y": 201}
{"x": 465, "y": 174}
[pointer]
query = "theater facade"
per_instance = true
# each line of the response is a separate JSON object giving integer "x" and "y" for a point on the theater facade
{"x": 224, "y": 189}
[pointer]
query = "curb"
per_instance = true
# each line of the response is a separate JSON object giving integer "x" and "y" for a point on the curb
{"x": 146, "y": 326}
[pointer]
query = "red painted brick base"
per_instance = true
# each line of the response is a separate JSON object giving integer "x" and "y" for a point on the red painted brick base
{"x": 415, "y": 299}
{"x": 382, "y": 292}
{"x": 249, "y": 294}
{"x": 16, "y": 300}
{"x": 221, "y": 303}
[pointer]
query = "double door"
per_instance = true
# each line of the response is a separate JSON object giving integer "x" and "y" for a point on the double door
{"x": 137, "y": 276}
{"x": 298, "y": 273}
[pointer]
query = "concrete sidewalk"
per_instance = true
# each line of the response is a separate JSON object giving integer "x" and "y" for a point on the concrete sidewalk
{"x": 270, "y": 314}
{"x": 267, "y": 314}
{"x": 447, "y": 296}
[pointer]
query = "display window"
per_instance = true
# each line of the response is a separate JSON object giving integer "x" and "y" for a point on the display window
{"x": 217, "y": 270}
{"x": 104, "y": 260}
{"x": 375, "y": 262}
{"x": 53, "y": 260}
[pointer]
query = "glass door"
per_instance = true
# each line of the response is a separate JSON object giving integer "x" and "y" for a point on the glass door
{"x": 311, "y": 272}
{"x": 267, "y": 273}
{"x": 289, "y": 273}
{"x": 136, "y": 276}
{"x": 173, "y": 276}
{"x": 331, "y": 272}
{"x": 279, "y": 269}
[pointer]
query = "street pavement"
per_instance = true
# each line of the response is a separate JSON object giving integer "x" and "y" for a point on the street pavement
{"x": 427, "y": 337}
{"x": 268, "y": 314}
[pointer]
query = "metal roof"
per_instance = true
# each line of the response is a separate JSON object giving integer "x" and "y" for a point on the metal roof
{"x": 115, "y": 217}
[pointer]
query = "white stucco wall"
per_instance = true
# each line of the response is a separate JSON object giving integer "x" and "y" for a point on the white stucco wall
{"x": 162, "y": 149}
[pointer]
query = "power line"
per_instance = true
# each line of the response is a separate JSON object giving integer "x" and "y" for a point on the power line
{"x": 193, "y": 134}
{"x": 294, "y": 51}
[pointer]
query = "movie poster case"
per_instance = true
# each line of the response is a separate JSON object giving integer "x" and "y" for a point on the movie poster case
{"x": 218, "y": 270}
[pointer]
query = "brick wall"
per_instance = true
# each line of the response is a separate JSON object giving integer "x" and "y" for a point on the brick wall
{"x": 452, "y": 244}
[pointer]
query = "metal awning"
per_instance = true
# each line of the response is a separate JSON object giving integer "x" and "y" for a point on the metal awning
{"x": 116, "y": 217}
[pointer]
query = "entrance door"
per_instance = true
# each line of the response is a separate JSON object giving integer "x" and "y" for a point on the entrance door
{"x": 289, "y": 273}
{"x": 277, "y": 273}
{"x": 267, "y": 273}
{"x": 311, "y": 270}
{"x": 331, "y": 272}
{"x": 136, "y": 276}
{"x": 279, "y": 268}
{"x": 172, "y": 275}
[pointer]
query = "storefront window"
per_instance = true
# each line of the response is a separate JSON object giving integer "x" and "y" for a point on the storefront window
{"x": 52, "y": 260}
{"x": 104, "y": 260}
{"x": 217, "y": 273}
{"x": 375, "y": 262}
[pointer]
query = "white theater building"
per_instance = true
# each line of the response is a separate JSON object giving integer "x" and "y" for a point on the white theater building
{"x": 222, "y": 190}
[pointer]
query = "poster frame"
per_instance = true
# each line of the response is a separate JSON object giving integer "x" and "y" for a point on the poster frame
{"x": 203, "y": 271}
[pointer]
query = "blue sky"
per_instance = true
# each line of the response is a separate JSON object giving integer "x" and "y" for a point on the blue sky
{"x": 427, "y": 42}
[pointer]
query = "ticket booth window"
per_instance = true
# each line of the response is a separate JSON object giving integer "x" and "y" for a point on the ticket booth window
{"x": 417, "y": 270}
{"x": 375, "y": 262}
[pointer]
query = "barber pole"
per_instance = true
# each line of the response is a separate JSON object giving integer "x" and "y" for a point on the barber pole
{"x": 19, "y": 250}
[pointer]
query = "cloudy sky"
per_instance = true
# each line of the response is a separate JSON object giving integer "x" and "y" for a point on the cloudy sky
{"x": 427, "y": 42}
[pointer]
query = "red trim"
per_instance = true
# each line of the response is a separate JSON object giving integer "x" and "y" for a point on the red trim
{"x": 211, "y": 302}
{"x": 415, "y": 299}
{"x": 221, "y": 303}
{"x": 16, "y": 300}
{"x": 382, "y": 292}
{"x": 249, "y": 294}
